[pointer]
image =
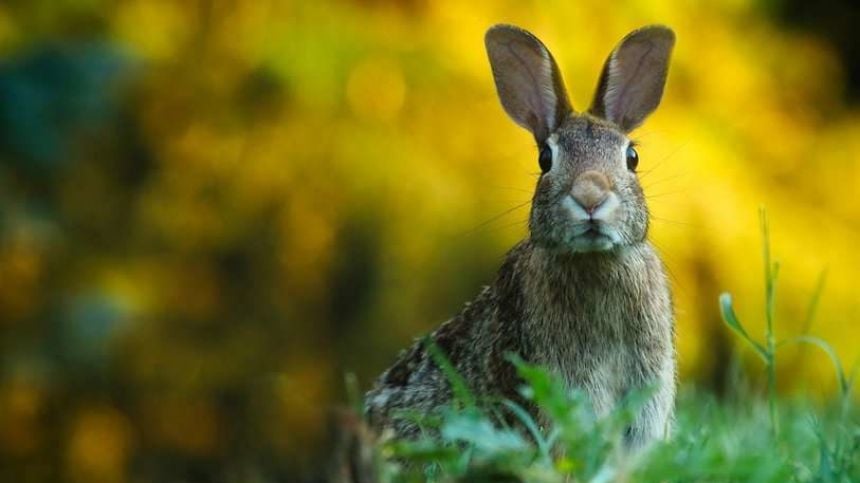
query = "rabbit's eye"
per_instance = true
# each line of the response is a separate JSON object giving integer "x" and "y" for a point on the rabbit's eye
{"x": 632, "y": 158}
{"x": 545, "y": 158}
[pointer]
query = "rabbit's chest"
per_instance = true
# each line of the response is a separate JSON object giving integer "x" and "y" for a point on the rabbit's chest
{"x": 595, "y": 340}
{"x": 592, "y": 348}
{"x": 605, "y": 328}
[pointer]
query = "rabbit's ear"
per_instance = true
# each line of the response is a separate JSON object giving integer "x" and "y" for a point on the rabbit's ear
{"x": 633, "y": 77}
{"x": 527, "y": 80}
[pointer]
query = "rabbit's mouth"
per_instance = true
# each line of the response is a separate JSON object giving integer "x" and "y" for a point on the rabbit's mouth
{"x": 592, "y": 237}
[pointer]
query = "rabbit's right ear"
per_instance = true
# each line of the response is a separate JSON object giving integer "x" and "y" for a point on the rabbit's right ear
{"x": 527, "y": 80}
{"x": 633, "y": 77}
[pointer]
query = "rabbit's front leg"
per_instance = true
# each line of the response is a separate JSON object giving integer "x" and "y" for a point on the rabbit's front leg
{"x": 654, "y": 419}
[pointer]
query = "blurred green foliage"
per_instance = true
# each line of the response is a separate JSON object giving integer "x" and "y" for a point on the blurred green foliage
{"x": 210, "y": 210}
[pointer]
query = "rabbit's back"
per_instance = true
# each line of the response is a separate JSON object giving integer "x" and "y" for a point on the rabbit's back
{"x": 476, "y": 342}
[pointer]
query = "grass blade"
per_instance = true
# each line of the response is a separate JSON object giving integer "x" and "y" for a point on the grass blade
{"x": 731, "y": 319}
{"x": 458, "y": 385}
{"x": 353, "y": 393}
{"x": 530, "y": 425}
{"x": 813, "y": 303}
{"x": 831, "y": 353}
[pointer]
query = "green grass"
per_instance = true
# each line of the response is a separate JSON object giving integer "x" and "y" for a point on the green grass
{"x": 743, "y": 437}
{"x": 712, "y": 441}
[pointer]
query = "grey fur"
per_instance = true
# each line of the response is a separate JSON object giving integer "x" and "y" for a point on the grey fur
{"x": 585, "y": 294}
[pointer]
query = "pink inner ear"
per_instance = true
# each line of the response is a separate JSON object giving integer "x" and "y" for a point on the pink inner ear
{"x": 535, "y": 73}
{"x": 636, "y": 75}
{"x": 527, "y": 80}
{"x": 527, "y": 76}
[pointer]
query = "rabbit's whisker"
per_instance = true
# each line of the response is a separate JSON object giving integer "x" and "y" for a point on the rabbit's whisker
{"x": 664, "y": 194}
{"x": 512, "y": 188}
{"x": 496, "y": 218}
{"x": 663, "y": 160}
{"x": 671, "y": 222}
{"x": 660, "y": 181}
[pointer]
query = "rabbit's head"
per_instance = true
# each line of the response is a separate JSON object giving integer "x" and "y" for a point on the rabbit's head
{"x": 588, "y": 197}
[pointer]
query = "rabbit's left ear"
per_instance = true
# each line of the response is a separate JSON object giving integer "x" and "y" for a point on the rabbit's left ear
{"x": 633, "y": 77}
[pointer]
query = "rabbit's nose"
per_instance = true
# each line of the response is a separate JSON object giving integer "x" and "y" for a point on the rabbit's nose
{"x": 590, "y": 191}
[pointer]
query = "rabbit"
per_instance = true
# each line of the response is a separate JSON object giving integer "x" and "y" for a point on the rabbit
{"x": 585, "y": 294}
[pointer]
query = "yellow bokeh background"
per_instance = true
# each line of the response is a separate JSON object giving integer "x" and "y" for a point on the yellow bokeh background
{"x": 310, "y": 185}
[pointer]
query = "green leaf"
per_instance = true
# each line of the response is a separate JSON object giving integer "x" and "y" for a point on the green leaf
{"x": 460, "y": 388}
{"x": 831, "y": 353}
{"x": 472, "y": 428}
{"x": 731, "y": 319}
{"x": 528, "y": 421}
{"x": 424, "y": 450}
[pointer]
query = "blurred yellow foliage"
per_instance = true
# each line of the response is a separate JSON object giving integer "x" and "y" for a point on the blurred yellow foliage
{"x": 98, "y": 447}
{"x": 307, "y": 186}
{"x": 20, "y": 406}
